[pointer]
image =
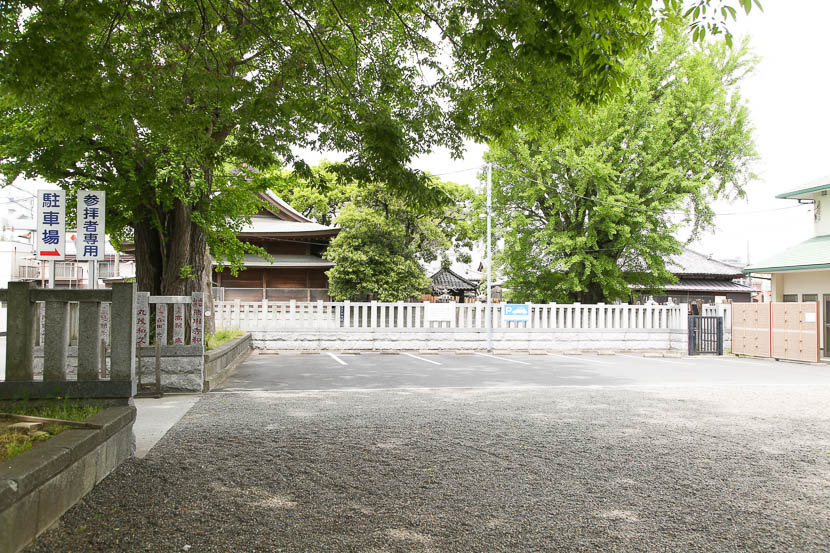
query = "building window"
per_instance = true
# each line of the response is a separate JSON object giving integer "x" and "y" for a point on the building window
{"x": 809, "y": 297}
{"x": 791, "y": 298}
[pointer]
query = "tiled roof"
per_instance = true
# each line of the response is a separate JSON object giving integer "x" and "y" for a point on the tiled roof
{"x": 704, "y": 285}
{"x": 691, "y": 263}
{"x": 811, "y": 254}
{"x": 272, "y": 226}
{"x": 447, "y": 279}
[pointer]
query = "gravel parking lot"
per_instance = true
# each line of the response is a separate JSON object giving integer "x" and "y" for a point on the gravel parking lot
{"x": 635, "y": 455}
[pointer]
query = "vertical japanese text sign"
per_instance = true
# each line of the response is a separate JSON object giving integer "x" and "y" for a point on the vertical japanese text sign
{"x": 178, "y": 324}
{"x": 91, "y": 235}
{"x": 161, "y": 324}
{"x": 197, "y": 318}
{"x": 142, "y": 336}
{"x": 50, "y": 241}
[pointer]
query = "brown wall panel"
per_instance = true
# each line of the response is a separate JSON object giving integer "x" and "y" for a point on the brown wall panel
{"x": 317, "y": 278}
{"x": 285, "y": 278}
{"x": 751, "y": 329}
{"x": 795, "y": 331}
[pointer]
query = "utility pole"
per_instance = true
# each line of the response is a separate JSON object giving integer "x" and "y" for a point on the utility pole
{"x": 489, "y": 318}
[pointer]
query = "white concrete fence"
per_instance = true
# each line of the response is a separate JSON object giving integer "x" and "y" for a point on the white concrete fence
{"x": 382, "y": 326}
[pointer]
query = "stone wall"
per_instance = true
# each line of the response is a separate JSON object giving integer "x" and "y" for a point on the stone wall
{"x": 466, "y": 339}
{"x": 220, "y": 361}
{"x": 182, "y": 368}
{"x": 38, "y": 486}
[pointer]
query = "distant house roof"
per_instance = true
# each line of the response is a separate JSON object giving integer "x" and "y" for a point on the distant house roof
{"x": 691, "y": 264}
{"x": 280, "y": 219}
{"x": 447, "y": 279}
{"x": 806, "y": 191}
{"x": 703, "y": 285}
{"x": 272, "y": 226}
{"x": 810, "y": 254}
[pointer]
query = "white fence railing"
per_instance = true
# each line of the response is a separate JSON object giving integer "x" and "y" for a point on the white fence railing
{"x": 269, "y": 315}
{"x": 720, "y": 310}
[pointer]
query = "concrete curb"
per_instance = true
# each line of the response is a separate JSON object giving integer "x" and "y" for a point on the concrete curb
{"x": 220, "y": 362}
{"x": 38, "y": 486}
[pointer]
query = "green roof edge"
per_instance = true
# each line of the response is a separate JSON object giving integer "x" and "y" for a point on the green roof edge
{"x": 750, "y": 270}
{"x": 788, "y": 195}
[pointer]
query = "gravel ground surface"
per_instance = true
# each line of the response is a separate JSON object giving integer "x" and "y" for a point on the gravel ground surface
{"x": 686, "y": 469}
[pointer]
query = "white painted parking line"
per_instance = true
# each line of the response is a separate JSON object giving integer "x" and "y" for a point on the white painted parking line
{"x": 660, "y": 359}
{"x": 333, "y": 356}
{"x": 421, "y": 358}
{"x": 502, "y": 358}
{"x": 574, "y": 358}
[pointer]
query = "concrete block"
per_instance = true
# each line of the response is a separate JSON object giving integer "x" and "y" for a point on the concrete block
{"x": 100, "y": 456}
{"x": 19, "y": 523}
{"x": 26, "y": 426}
{"x": 31, "y": 469}
{"x": 79, "y": 442}
{"x": 60, "y": 493}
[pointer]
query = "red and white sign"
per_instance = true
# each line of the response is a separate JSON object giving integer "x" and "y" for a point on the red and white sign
{"x": 50, "y": 242}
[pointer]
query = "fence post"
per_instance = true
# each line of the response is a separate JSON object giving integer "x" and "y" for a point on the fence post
{"x": 122, "y": 351}
{"x": 89, "y": 344}
{"x": 20, "y": 340}
{"x": 400, "y": 318}
{"x": 347, "y": 314}
{"x": 57, "y": 338}
{"x": 427, "y": 322}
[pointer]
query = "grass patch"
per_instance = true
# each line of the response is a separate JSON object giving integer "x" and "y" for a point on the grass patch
{"x": 15, "y": 442}
{"x": 221, "y": 336}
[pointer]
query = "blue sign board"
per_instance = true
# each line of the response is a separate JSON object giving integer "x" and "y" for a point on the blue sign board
{"x": 516, "y": 312}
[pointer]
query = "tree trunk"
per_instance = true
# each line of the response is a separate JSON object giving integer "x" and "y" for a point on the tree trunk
{"x": 171, "y": 256}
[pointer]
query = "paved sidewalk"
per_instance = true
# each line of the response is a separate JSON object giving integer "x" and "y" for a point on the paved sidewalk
{"x": 155, "y": 417}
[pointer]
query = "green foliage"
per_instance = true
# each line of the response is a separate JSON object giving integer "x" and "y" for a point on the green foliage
{"x": 221, "y": 336}
{"x": 373, "y": 256}
{"x": 15, "y": 443}
{"x": 394, "y": 237}
{"x": 678, "y": 137}
{"x": 160, "y": 104}
{"x": 186, "y": 272}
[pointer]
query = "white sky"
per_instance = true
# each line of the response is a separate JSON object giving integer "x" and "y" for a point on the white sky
{"x": 787, "y": 96}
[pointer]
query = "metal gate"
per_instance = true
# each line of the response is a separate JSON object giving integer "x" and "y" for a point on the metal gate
{"x": 705, "y": 335}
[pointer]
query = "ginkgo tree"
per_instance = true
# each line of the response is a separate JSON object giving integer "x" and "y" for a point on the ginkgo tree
{"x": 584, "y": 214}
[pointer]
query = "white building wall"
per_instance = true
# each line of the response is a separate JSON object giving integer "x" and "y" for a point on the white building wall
{"x": 821, "y": 224}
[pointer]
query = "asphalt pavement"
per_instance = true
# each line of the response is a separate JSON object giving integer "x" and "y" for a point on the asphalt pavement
{"x": 339, "y": 371}
{"x": 479, "y": 454}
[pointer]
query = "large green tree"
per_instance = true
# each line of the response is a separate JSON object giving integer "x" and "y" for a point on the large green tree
{"x": 587, "y": 212}
{"x": 159, "y": 103}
